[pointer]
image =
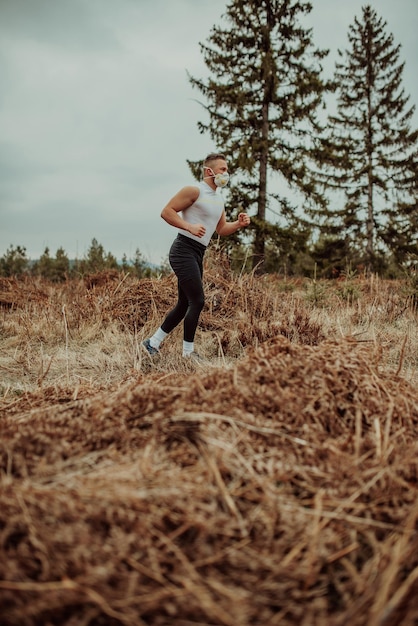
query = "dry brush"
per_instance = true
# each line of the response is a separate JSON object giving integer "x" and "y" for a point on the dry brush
{"x": 276, "y": 486}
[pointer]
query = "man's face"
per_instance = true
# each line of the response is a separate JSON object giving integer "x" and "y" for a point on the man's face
{"x": 219, "y": 167}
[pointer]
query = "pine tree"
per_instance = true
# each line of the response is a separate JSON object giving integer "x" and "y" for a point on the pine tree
{"x": 371, "y": 148}
{"x": 97, "y": 259}
{"x": 14, "y": 262}
{"x": 61, "y": 265}
{"x": 56, "y": 270}
{"x": 140, "y": 267}
{"x": 44, "y": 266}
{"x": 264, "y": 92}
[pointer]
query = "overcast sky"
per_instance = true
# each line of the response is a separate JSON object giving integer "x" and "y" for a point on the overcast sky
{"x": 97, "y": 116}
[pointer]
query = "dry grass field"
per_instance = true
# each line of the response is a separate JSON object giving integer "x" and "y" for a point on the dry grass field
{"x": 274, "y": 485}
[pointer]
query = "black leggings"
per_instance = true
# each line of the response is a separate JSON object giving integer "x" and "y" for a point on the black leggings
{"x": 186, "y": 260}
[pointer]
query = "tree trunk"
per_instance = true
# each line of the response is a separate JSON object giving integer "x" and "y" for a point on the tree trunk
{"x": 259, "y": 242}
{"x": 260, "y": 237}
{"x": 369, "y": 152}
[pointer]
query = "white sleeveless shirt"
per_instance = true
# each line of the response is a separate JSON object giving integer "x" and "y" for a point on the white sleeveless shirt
{"x": 206, "y": 210}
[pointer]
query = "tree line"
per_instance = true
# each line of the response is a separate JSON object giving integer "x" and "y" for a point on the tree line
{"x": 59, "y": 268}
{"x": 336, "y": 187}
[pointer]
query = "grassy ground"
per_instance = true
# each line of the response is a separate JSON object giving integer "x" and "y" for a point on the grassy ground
{"x": 277, "y": 484}
{"x": 71, "y": 335}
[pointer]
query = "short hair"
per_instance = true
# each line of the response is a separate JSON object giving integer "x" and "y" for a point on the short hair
{"x": 213, "y": 156}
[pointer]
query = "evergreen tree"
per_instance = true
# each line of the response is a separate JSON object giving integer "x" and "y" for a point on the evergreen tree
{"x": 140, "y": 267}
{"x": 125, "y": 265}
{"x": 61, "y": 266}
{"x": 97, "y": 260}
{"x": 14, "y": 262}
{"x": 55, "y": 269}
{"x": 44, "y": 267}
{"x": 264, "y": 92}
{"x": 371, "y": 149}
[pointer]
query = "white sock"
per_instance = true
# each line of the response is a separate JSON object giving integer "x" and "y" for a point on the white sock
{"x": 188, "y": 347}
{"x": 157, "y": 338}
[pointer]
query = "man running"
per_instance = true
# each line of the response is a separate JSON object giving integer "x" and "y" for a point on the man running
{"x": 196, "y": 211}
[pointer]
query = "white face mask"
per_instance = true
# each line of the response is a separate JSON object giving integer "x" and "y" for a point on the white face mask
{"x": 221, "y": 179}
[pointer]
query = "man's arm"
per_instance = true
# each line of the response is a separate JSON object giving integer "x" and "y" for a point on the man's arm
{"x": 182, "y": 200}
{"x": 225, "y": 228}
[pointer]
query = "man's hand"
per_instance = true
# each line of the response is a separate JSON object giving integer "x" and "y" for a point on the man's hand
{"x": 198, "y": 230}
{"x": 243, "y": 220}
